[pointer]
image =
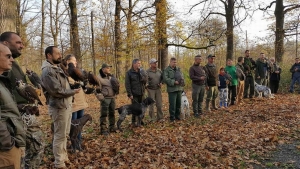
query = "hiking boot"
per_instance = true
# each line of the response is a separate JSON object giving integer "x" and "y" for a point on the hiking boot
{"x": 214, "y": 104}
{"x": 207, "y": 106}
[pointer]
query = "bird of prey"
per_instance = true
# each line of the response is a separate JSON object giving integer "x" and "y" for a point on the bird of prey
{"x": 34, "y": 78}
{"x": 93, "y": 79}
{"x": 28, "y": 92}
{"x": 75, "y": 73}
{"x": 28, "y": 109}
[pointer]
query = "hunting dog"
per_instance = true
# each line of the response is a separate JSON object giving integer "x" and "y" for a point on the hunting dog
{"x": 75, "y": 129}
{"x": 137, "y": 109}
{"x": 261, "y": 89}
{"x": 185, "y": 106}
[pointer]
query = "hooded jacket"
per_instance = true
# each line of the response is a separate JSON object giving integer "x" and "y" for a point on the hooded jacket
{"x": 11, "y": 124}
{"x": 56, "y": 83}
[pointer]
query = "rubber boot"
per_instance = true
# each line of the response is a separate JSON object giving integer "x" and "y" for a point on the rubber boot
{"x": 207, "y": 106}
{"x": 225, "y": 105}
{"x": 221, "y": 104}
{"x": 214, "y": 105}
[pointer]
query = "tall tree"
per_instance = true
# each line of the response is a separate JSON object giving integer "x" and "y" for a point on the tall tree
{"x": 42, "y": 32}
{"x": 74, "y": 31}
{"x": 280, "y": 11}
{"x": 161, "y": 32}
{"x": 232, "y": 16}
{"x": 8, "y": 13}
{"x": 118, "y": 40}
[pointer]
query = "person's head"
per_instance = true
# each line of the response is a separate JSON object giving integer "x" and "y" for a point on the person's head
{"x": 71, "y": 59}
{"x": 53, "y": 54}
{"x": 136, "y": 64}
{"x": 173, "y": 62}
{"x": 211, "y": 58}
{"x": 247, "y": 53}
{"x": 6, "y": 58}
{"x": 262, "y": 55}
{"x": 198, "y": 59}
{"x": 229, "y": 62}
{"x": 222, "y": 70}
{"x": 297, "y": 60}
{"x": 106, "y": 68}
{"x": 153, "y": 63}
{"x": 272, "y": 59}
{"x": 241, "y": 59}
{"x": 13, "y": 42}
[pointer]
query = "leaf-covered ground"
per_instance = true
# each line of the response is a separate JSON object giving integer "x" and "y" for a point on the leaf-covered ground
{"x": 227, "y": 138}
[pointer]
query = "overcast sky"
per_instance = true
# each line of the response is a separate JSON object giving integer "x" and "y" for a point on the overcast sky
{"x": 255, "y": 27}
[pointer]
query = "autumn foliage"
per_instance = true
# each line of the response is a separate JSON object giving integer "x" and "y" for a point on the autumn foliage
{"x": 226, "y": 138}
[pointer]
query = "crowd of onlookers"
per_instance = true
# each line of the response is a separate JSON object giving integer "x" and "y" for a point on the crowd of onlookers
{"x": 22, "y": 144}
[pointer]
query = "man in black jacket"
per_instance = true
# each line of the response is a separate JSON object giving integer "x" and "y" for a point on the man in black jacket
{"x": 135, "y": 82}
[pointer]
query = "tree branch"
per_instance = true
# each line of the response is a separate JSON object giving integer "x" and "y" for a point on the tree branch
{"x": 197, "y": 5}
{"x": 267, "y": 7}
{"x": 189, "y": 47}
{"x": 291, "y": 8}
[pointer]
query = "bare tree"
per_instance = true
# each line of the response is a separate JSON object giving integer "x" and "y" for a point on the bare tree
{"x": 280, "y": 11}
{"x": 232, "y": 8}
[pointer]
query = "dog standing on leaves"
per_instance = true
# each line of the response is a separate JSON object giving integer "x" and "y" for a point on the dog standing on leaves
{"x": 137, "y": 109}
{"x": 261, "y": 89}
{"x": 185, "y": 106}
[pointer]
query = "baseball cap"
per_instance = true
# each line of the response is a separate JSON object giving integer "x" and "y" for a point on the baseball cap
{"x": 153, "y": 60}
{"x": 210, "y": 56}
{"x": 105, "y": 65}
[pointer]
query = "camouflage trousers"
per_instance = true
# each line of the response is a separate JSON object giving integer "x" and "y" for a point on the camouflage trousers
{"x": 34, "y": 146}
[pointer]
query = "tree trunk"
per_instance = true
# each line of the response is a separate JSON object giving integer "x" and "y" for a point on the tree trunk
{"x": 74, "y": 31}
{"x": 229, "y": 32}
{"x": 54, "y": 27}
{"x": 279, "y": 32}
{"x": 129, "y": 36}
{"x": 161, "y": 33}
{"x": 43, "y": 32}
{"x": 118, "y": 44}
{"x": 8, "y": 13}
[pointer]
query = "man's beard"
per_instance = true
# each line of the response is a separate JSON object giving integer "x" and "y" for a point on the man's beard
{"x": 57, "y": 61}
{"x": 15, "y": 54}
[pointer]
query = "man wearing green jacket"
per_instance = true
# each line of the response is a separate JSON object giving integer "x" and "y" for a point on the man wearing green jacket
{"x": 173, "y": 78}
{"x": 231, "y": 70}
{"x": 249, "y": 66}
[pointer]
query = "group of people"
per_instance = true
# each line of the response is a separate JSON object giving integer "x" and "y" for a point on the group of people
{"x": 22, "y": 145}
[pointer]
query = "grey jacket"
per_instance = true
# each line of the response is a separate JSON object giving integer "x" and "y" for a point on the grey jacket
{"x": 154, "y": 78}
{"x": 11, "y": 125}
{"x": 59, "y": 94}
{"x": 106, "y": 86}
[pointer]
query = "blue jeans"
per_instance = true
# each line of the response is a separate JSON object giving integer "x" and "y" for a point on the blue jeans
{"x": 77, "y": 115}
{"x": 294, "y": 80}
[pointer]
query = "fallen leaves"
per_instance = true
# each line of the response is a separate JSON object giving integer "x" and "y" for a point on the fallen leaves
{"x": 220, "y": 139}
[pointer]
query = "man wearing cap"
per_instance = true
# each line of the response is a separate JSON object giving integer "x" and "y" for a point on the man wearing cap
{"x": 154, "y": 89}
{"x": 135, "y": 83}
{"x": 198, "y": 77}
{"x": 108, "y": 104}
{"x": 211, "y": 85}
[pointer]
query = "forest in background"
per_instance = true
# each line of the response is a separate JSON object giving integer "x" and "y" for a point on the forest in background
{"x": 99, "y": 31}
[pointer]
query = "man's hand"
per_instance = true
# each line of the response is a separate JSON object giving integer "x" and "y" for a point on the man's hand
{"x": 258, "y": 77}
{"x": 276, "y": 71}
{"x": 207, "y": 88}
{"x": 131, "y": 97}
{"x": 296, "y": 69}
{"x": 77, "y": 90}
{"x": 202, "y": 78}
{"x": 176, "y": 82}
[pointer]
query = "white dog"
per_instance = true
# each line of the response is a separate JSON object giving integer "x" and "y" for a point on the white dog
{"x": 185, "y": 106}
{"x": 260, "y": 89}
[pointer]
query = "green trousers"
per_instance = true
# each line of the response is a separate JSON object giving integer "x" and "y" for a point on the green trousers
{"x": 174, "y": 105}
{"x": 198, "y": 97}
{"x": 108, "y": 106}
